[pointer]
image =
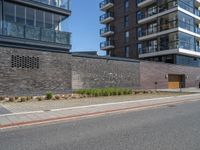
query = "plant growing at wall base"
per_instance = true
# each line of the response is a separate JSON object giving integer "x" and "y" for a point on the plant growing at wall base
{"x": 49, "y": 96}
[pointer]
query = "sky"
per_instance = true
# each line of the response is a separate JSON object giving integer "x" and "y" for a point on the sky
{"x": 84, "y": 25}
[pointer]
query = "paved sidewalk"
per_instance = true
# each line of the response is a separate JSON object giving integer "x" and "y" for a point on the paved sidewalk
{"x": 38, "y": 117}
{"x": 35, "y": 105}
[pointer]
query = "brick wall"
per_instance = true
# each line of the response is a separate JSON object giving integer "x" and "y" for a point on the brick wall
{"x": 93, "y": 72}
{"x": 151, "y": 72}
{"x": 61, "y": 72}
{"x": 54, "y": 73}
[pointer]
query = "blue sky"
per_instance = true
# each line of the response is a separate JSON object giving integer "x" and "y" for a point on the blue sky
{"x": 84, "y": 25}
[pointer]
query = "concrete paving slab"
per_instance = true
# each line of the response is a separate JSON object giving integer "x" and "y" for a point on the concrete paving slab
{"x": 4, "y": 110}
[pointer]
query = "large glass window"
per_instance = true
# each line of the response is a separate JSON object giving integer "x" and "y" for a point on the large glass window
{"x": 186, "y": 41}
{"x": 63, "y": 24}
{"x": 39, "y": 18}
{"x": 186, "y": 21}
{"x": 56, "y": 22}
{"x": 188, "y": 61}
{"x": 30, "y": 23}
{"x": 9, "y": 12}
{"x": 187, "y": 5}
{"x": 48, "y": 20}
{"x": 20, "y": 14}
{"x": 30, "y": 16}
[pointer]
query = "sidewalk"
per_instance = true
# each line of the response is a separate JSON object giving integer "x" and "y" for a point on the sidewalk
{"x": 71, "y": 113}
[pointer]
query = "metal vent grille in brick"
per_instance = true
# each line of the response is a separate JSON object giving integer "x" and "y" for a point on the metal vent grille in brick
{"x": 24, "y": 62}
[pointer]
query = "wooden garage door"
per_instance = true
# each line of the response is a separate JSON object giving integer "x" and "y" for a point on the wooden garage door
{"x": 174, "y": 81}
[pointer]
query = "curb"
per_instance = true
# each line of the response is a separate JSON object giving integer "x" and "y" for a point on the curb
{"x": 88, "y": 115}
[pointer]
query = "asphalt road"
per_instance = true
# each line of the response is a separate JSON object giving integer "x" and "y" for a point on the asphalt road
{"x": 167, "y": 128}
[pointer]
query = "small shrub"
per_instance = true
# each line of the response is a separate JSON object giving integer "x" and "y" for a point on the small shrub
{"x": 57, "y": 97}
{"x": 16, "y": 97}
{"x": 23, "y": 99}
{"x": 104, "y": 92}
{"x": 29, "y": 98}
{"x": 39, "y": 98}
{"x": 2, "y": 98}
{"x": 11, "y": 99}
{"x": 49, "y": 96}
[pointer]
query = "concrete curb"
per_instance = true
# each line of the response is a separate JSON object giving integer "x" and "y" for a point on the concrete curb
{"x": 88, "y": 115}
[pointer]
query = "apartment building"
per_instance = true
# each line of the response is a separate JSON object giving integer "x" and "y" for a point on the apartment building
{"x": 156, "y": 30}
{"x": 35, "y": 24}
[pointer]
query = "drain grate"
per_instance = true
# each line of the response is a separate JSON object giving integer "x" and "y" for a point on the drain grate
{"x": 171, "y": 105}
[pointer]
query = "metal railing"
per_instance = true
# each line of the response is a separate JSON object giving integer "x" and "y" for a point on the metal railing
{"x": 106, "y": 44}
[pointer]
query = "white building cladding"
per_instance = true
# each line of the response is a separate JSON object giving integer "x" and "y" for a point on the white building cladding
{"x": 169, "y": 31}
{"x": 40, "y": 24}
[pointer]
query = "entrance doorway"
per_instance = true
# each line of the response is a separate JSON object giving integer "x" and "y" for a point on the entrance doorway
{"x": 176, "y": 81}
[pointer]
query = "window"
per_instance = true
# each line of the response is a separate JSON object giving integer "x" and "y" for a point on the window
{"x": 126, "y": 21}
{"x": 126, "y": 36}
{"x": 126, "y": 5}
{"x": 152, "y": 46}
{"x": 186, "y": 41}
{"x": 30, "y": 16}
{"x": 64, "y": 24}
{"x": 20, "y": 14}
{"x": 127, "y": 50}
{"x": 9, "y": 12}
{"x": 152, "y": 28}
{"x": 152, "y": 10}
{"x": 39, "y": 18}
{"x": 56, "y": 23}
{"x": 48, "y": 20}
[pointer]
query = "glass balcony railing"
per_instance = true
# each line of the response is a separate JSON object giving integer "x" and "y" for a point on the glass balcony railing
{"x": 106, "y": 30}
{"x": 189, "y": 8}
{"x": 105, "y": 2}
{"x": 105, "y": 16}
{"x": 36, "y": 33}
{"x": 189, "y": 27}
{"x": 161, "y": 47}
{"x": 107, "y": 44}
{"x": 158, "y": 9}
{"x": 168, "y": 46}
{"x": 64, "y": 4}
{"x": 170, "y": 25}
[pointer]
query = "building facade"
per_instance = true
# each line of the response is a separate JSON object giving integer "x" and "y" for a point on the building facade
{"x": 156, "y": 30}
{"x": 35, "y": 24}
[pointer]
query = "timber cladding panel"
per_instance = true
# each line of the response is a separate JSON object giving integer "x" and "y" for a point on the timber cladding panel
{"x": 151, "y": 72}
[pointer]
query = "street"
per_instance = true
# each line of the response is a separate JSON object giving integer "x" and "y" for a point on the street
{"x": 173, "y": 127}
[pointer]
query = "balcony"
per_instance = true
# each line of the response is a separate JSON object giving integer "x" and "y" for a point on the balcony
{"x": 144, "y": 3}
{"x": 107, "y": 31}
{"x": 107, "y": 18}
{"x": 143, "y": 15}
{"x": 64, "y": 4}
{"x": 106, "y": 4}
{"x": 107, "y": 45}
{"x": 158, "y": 29}
{"x": 36, "y": 35}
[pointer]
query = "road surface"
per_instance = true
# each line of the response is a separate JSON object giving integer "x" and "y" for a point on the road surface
{"x": 174, "y": 127}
